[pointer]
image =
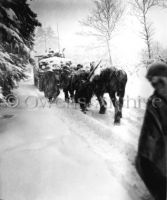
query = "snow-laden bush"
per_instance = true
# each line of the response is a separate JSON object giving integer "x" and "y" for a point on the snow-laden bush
{"x": 10, "y": 71}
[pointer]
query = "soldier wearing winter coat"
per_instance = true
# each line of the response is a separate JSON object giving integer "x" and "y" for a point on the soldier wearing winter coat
{"x": 152, "y": 150}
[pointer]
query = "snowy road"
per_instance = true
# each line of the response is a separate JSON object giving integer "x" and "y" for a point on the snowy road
{"x": 56, "y": 152}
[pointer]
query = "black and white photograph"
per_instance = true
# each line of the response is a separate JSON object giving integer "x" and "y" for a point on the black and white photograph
{"x": 83, "y": 99}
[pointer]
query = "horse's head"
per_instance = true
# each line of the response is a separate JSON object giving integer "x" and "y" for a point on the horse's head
{"x": 65, "y": 75}
{"x": 84, "y": 93}
{"x": 57, "y": 75}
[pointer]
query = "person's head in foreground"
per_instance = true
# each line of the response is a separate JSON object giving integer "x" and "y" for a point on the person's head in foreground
{"x": 157, "y": 75}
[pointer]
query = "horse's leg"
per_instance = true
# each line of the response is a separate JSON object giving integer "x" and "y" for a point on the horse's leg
{"x": 121, "y": 101}
{"x": 83, "y": 105}
{"x": 76, "y": 96}
{"x": 66, "y": 95}
{"x": 121, "y": 97}
{"x": 50, "y": 99}
{"x": 102, "y": 103}
{"x": 121, "y": 89}
{"x": 71, "y": 91}
{"x": 56, "y": 94}
{"x": 117, "y": 114}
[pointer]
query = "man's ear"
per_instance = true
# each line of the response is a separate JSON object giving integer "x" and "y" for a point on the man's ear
{"x": 160, "y": 86}
{"x": 161, "y": 82}
{"x": 157, "y": 82}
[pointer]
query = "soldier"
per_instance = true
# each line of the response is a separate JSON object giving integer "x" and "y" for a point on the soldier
{"x": 152, "y": 150}
{"x": 92, "y": 66}
{"x": 79, "y": 66}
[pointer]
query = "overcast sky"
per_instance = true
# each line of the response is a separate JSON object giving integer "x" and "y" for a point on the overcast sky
{"x": 126, "y": 44}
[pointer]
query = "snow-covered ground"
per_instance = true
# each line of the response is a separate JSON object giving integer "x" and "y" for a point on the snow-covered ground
{"x": 55, "y": 152}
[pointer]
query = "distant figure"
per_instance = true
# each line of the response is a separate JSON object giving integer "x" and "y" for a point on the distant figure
{"x": 79, "y": 66}
{"x": 152, "y": 150}
{"x": 69, "y": 63}
{"x": 51, "y": 83}
{"x": 92, "y": 66}
{"x": 95, "y": 70}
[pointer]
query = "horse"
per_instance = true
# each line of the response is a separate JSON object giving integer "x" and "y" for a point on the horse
{"x": 111, "y": 81}
{"x": 71, "y": 81}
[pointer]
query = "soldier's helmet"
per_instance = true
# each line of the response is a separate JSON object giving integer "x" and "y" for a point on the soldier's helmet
{"x": 157, "y": 69}
{"x": 92, "y": 64}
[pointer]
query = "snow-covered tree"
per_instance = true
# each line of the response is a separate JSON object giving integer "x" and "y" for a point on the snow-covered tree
{"x": 103, "y": 20}
{"x": 45, "y": 39}
{"x": 159, "y": 52}
{"x": 141, "y": 9}
{"x": 17, "y": 26}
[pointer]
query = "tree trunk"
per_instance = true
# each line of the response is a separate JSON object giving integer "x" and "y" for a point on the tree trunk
{"x": 149, "y": 50}
{"x": 45, "y": 44}
{"x": 109, "y": 52}
{"x": 147, "y": 37}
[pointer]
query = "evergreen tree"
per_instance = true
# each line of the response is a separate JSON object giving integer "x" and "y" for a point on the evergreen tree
{"x": 17, "y": 26}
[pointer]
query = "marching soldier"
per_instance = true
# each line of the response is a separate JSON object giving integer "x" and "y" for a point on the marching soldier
{"x": 152, "y": 150}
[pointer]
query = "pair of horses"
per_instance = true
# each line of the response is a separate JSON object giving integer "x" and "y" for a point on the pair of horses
{"x": 81, "y": 89}
{"x": 111, "y": 81}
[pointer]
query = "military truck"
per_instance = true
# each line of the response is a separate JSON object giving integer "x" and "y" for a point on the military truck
{"x": 47, "y": 62}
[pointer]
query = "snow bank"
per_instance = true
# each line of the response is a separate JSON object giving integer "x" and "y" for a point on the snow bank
{"x": 60, "y": 153}
{"x": 43, "y": 157}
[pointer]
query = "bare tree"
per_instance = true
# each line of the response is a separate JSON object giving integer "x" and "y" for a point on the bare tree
{"x": 103, "y": 20}
{"x": 159, "y": 52}
{"x": 141, "y": 9}
{"x": 46, "y": 37}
